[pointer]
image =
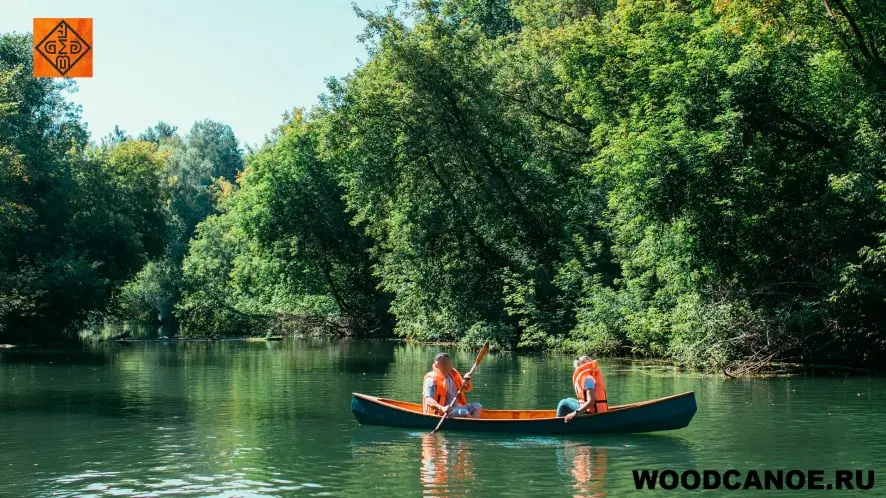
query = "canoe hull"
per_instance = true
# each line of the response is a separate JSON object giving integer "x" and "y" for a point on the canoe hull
{"x": 671, "y": 413}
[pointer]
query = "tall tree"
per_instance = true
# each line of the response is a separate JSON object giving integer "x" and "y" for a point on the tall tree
{"x": 197, "y": 166}
{"x": 291, "y": 250}
{"x": 76, "y": 220}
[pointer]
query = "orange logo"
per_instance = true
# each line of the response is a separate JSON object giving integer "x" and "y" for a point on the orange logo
{"x": 63, "y": 47}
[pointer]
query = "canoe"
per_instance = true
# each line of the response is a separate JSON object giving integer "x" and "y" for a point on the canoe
{"x": 663, "y": 414}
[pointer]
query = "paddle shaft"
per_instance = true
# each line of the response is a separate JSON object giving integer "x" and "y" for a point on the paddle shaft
{"x": 464, "y": 384}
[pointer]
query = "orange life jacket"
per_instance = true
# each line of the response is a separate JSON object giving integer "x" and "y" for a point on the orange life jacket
{"x": 578, "y": 382}
{"x": 440, "y": 393}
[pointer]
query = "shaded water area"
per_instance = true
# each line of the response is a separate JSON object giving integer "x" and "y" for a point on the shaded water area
{"x": 273, "y": 419}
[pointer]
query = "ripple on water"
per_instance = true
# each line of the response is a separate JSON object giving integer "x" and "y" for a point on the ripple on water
{"x": 86, "y": 475}
{"x": 236, "y": 420}
{"x": 167, "y": 483}
{"x": 120, "y": 491}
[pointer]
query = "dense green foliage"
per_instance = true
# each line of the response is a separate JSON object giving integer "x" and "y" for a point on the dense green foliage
{"x": 703, "y": 180}
{"x": 88, "y": 227}
{"x": 76, "y": 220}
{"x": 198, "y": 166}
{"x": 283, "y": 251}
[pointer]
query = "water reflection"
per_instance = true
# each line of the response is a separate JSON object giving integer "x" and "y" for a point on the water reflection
{"x": 587, "y": 466}
{"x": 446, "y": 466}
{"x": 271, "y": 419}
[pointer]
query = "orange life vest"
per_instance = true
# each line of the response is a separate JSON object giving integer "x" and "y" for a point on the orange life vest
{"x": 440, "y": 393}
{"x": 578, "y": 382}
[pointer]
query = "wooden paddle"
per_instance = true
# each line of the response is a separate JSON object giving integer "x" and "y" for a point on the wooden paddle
{"x": 483, "y": 351}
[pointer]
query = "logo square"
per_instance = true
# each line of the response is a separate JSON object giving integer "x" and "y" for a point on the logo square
{"x": 63, "y": 47}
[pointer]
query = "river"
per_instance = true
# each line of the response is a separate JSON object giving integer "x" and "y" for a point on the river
{"x": 272, "y": 419}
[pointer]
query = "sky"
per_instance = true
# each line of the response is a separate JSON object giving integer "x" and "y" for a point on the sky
{"x": 243, "y": 63}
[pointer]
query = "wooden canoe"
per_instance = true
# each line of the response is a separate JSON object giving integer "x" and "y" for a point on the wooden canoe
{"x": 663, "y": 414}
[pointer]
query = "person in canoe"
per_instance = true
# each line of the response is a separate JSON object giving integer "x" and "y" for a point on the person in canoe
{"x": 590, "y": 391}
{"x": 440, "y": 387}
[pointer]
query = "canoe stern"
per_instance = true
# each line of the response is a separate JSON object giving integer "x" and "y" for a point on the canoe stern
{"x": 369, "y": 411}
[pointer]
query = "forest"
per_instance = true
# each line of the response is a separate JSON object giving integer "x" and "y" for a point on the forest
{"x": 702, "y": 181}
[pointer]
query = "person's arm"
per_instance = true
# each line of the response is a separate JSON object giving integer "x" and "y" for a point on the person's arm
{"x": 468, "y": 385}
{"x": 433, "y": 403}
{"x": 589, "y": 395}
{"x": 430, "y": 390}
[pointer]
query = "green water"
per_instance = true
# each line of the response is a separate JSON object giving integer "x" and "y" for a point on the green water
{"x": 273, "y": 419}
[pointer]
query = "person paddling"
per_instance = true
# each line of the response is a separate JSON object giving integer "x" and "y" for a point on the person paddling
{"x": 590, "y": 391}
{"x": 440, "y": 387}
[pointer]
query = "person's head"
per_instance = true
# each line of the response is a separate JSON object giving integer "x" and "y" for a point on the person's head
{"x": 582, "y": 360}
{"x": 443, "y": 362}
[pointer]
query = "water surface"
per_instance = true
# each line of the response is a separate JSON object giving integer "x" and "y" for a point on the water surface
{"x": 273, "y": 419}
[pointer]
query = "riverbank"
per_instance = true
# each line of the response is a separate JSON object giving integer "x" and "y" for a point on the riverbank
{"x": 738, "y": 370}
{"x": 198, "y": 339}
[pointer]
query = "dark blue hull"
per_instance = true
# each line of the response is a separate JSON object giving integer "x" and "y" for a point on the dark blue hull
{"x": 673, "y": 412}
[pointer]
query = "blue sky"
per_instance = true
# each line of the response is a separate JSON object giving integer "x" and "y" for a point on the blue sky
{"x": 241, "y": 62}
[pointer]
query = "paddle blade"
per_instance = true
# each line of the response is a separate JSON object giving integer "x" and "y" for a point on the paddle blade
{"x": 483, "y": 351}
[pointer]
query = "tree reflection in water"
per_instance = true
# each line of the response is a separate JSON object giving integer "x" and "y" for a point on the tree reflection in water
{"x": 446, "y": 466}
